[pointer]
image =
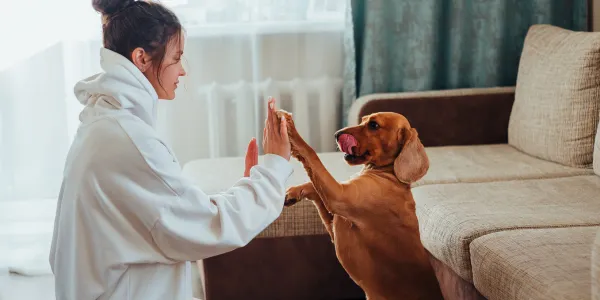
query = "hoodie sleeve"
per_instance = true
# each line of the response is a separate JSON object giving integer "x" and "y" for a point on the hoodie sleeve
{"x": 193, "y": 225}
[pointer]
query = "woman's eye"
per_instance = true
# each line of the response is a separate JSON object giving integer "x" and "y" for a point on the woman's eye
{"x": 373, "y": 125}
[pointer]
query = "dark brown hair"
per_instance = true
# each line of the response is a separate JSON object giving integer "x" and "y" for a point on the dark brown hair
{"x": 129, "y": 24}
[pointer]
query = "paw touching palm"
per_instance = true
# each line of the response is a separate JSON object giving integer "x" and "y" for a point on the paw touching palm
{"x": 296, "y": 141}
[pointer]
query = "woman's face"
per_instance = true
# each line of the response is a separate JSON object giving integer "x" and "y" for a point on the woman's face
{"x": 169, "y": 72}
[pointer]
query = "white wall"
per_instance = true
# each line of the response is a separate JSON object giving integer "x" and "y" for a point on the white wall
{"x": 33, "y": 89}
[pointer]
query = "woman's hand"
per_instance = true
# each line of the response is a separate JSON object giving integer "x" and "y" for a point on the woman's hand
{"x": 251, "y": 156}
{"x": 275, "y": 135}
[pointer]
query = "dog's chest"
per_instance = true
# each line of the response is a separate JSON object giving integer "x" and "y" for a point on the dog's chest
{"x": 345, "y": 232}
{"x": 343, "y": 225}
{"x": 348, "y": 243}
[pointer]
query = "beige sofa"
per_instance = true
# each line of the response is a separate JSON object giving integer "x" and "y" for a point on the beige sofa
{"x": 510, "y": 208}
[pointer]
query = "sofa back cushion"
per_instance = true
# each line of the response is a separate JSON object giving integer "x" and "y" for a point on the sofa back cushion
{"x": 557, "y": 96}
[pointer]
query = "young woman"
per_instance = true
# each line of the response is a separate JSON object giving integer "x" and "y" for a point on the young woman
{"x": 127, "y": 223}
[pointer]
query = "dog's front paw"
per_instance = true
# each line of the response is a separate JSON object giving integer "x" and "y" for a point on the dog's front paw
{"x": 293, "y": 195}
{"x": 291, "y": 127}
{"x": 299, "y": 147}
{"x": 293, "y": 134}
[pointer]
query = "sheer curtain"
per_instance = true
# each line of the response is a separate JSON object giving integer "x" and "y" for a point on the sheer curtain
{"x": 237, "y": 53}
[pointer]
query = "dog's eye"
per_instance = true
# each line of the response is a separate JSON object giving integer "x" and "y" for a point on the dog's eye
{"x": 373, "y": 125}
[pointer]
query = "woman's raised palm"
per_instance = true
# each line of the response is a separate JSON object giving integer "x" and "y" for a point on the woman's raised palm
{"x": 251, "y": 156}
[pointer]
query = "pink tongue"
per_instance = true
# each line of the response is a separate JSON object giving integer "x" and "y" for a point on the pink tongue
{"x": 346, "y": 142}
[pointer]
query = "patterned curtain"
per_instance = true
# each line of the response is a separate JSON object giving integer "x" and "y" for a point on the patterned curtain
{"x": 410, "y": 45}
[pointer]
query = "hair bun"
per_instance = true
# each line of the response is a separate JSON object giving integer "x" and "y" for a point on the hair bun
{"x": 109, "y": 7}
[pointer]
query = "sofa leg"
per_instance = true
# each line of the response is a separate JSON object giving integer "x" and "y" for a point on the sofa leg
{"x": 453, "y": 286}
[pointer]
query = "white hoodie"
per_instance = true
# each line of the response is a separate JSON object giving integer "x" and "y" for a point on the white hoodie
{"x": 127, "y": 223}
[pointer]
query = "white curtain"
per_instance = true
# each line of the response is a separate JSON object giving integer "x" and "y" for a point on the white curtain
{"x": 237, "y": 53}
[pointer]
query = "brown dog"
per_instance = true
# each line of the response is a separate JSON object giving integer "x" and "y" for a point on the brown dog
{"x": 371, "y": 218}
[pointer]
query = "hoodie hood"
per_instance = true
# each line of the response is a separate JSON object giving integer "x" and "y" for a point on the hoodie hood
{"x": 124, "y": 84}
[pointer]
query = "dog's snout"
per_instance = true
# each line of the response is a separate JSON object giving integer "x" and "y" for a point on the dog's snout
{"x": 337, "y": 134}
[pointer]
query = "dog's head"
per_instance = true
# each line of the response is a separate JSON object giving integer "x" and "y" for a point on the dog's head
{"x": 383, "y": 139}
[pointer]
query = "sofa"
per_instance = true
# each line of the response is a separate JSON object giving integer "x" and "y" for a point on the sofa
{"x": 509, "y": 209}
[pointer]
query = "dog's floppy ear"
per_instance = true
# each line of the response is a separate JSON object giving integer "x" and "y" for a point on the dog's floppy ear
{"x": 412, "y": 163}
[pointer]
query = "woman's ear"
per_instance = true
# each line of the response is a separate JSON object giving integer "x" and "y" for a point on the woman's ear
{"x": 141, "y": 59}
{"x": 412, "y": 163}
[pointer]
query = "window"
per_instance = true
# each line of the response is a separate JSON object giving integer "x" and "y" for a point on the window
{"x": 236, "y": 15}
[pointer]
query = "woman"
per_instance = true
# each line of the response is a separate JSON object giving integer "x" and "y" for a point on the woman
{"x": 127, "y": 223}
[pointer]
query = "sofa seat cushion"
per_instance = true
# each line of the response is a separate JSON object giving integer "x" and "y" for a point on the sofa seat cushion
{"x": 217, "y": 175}
{"x": 557, "y": 95}
{"x": 535, "y": 264}
{"x": 447, "y": 165}
{"x": 453, "y": 215}
{"x": 483, "y": 163}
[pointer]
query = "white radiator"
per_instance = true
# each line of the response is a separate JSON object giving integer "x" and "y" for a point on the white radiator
{"x": 236, "y": 112}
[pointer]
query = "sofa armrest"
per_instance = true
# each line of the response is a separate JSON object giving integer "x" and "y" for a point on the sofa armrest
{"x": 290, "y": 268}
{"x": 450, "y": 117}
{"x": 294, "y": 257}
{"x": 300, "y": 219}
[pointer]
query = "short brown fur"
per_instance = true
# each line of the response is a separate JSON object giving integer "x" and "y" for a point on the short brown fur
{"x": 371, "y": 218}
